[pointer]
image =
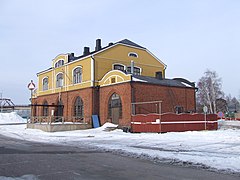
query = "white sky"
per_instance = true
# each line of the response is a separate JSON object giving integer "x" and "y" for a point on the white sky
{"x": 189, "y": 36}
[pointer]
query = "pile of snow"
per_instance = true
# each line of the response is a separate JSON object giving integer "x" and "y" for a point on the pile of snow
{"x": 228, "y": 124}
{"x": 108, "y": 127}
{"x": 9, "y": 118}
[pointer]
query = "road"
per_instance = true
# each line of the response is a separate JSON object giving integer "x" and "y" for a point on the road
{"x": 26, "y": 160}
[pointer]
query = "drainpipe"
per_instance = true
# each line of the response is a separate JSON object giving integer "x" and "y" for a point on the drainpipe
{"x": 93, "y": 84}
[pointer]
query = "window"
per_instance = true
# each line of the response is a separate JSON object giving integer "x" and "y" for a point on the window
{"x": 132, "y": 54}
{"x": 45, "y": 108}
{"x": 113, "y": 80}
{"x": 59, "y": 63}
{"x": 136, "y": 70}
{"x": 77, "y": 75}
{"x": 59, "y": 82}
{"x": 45, "y": 84}
{"x": 78, "y": 108}
{"x": 119, "y": 67}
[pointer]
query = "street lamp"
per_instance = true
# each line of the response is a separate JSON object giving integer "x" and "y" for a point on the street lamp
{"x": 31, "y": 87}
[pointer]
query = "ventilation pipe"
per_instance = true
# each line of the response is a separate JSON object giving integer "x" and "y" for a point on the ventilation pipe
{"x": 132, "y": 67}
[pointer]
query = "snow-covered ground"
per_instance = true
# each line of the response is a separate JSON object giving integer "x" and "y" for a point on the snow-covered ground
{"x": 9, "y": 118}
{"x": 219, "y": 150}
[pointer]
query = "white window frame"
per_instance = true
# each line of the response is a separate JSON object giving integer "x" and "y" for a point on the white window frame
{"x": 45, "y": 88}
{"x": 81, "y": 76}
{"x": 124, "y": 67}
{"x": 129, "y": 54}
{"x": 58, "y": 64}
{"x": 59, "y": 84}
{"x": 129, "y": 72}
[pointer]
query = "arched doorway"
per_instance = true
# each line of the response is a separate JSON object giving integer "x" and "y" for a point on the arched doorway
{"x": 115, "y": 108}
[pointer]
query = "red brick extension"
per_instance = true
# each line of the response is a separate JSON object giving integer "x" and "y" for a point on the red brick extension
{"x": 96, "y": 99}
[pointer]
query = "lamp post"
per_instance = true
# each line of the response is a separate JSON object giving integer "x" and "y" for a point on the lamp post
{"x": 31, "y": 87}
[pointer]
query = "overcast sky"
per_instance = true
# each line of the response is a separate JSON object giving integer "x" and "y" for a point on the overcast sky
{"x": 190, "y": 36}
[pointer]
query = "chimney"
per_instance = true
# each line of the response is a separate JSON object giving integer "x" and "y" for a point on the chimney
{"x": 70, "y": 57}
{"x": 86, "y": 51}
{"x": 98, "y": 45}
{"x": 159, "y": 75}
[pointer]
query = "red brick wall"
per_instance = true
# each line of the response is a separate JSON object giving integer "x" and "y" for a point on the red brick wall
{"x": 96, "y": 100}
{"x": 170, "y": 96}
{"x": 67, "y": 98}
{"x": 124, "y": 91}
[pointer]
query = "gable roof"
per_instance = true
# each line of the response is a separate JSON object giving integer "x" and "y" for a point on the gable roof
{"x": 126, "y": 42}
{"x": 130, "y": 43}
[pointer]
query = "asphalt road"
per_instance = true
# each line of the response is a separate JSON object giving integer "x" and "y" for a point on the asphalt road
{"x": 29, "y": 160}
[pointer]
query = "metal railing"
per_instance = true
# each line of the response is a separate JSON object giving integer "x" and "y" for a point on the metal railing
{"x": 55, "y": 119}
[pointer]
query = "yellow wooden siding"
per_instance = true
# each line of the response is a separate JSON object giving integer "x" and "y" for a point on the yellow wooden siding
{"x": 119, "y": 54}
{"x": 103, "y": 62}
{"x": 67, "y": 71}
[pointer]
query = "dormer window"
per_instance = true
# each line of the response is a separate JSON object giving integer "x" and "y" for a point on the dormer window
{"x": 119, "y": 67}
{"x": 132, "y": 54}
{"x": 59, "y": 63}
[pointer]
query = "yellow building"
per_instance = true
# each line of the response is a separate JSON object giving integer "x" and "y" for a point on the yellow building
{"x": 102, "y": 82}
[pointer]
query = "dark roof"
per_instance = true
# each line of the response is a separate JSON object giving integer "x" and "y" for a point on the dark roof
{"x": 163, "y": 82}
{"x": 130, "y": 43}
{"x": 124, "y": 41}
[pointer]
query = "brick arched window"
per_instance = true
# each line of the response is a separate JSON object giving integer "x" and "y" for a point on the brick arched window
{"x": 78, "y": 108}
{"x": 45, "y": 108}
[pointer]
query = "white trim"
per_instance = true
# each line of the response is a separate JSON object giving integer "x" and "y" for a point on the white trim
{"x": 53, "y": 81}
{"x": 114, "y": 71}
{"x": 56, "y": 80}
{"x": 84, "y": 82}
{"x": 47, "y": 84}
{"x": 44, "y": 71}
{"x": 59, "y": 55}
{"x": 132, "y": 53}
{"x": 175, "y": 122}
{"x": 165, "y": 66}
{"x": 57, "y": 62}
{"x": 130, "y": 46}
{"x": 112, "y": 84}
{"x": 92, "y": 71}
{"x": 112, "y": 77}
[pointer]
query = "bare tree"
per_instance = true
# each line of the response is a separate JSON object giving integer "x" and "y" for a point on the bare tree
{"x": 209, "y": 90}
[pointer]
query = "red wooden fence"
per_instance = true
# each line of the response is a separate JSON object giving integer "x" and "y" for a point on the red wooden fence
{"x": 170, "y": 122}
